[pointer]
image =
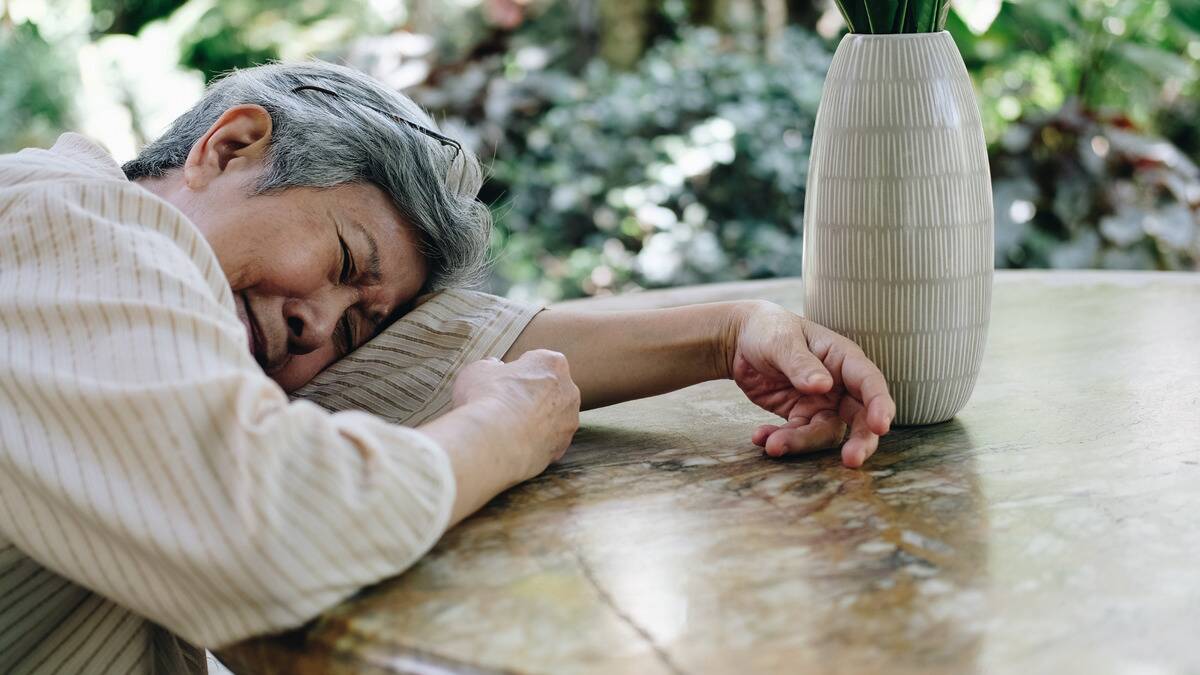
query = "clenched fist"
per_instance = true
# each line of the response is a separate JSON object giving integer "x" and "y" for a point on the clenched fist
{"x": 535, "y": 399}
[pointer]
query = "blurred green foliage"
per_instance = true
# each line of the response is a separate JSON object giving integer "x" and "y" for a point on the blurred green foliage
{"x": 35, "y": 99}
{"x": 235, "y": 33}
{"x": 1076, "y": 190}
{"x": 690, "y": 168}
{"x": 128, "y": 16}
{"x": 638, "y": 143}
{"x": 1138, "y": 58}
{"x": 1091, "y": 109}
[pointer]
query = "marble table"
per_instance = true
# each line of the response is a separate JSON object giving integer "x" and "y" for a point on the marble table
{"x": 1052, "y": 527}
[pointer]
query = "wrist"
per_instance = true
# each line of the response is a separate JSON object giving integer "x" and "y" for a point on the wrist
{"x": 480, "y": 446}
{"x": 513, "y": 433}
{"x": 729, "y": 334}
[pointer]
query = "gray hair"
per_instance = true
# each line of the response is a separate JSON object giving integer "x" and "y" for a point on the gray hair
{"x": 321, "y": 140}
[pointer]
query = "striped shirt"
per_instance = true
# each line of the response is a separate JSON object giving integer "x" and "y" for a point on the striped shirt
{"x": 158, "y": 492}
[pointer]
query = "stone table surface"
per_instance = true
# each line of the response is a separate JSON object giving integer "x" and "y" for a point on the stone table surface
{"x": 1052, "y": 527}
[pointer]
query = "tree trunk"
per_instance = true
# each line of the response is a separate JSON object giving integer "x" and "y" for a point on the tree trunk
{"x": 624, "y": 31}
{"x": 774, "y": 19}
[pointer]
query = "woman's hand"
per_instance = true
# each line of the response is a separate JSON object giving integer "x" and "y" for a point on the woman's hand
{"x": 509, "y": 421}
{"x": 817, "y": 380}
{"x": 534, "y": 397}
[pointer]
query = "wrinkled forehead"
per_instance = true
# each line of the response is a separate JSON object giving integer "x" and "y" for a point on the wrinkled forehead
{"x": 385, "y": 237}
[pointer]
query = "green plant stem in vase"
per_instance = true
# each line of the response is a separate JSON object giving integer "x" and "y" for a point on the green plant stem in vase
{"x": 881, "y": 17}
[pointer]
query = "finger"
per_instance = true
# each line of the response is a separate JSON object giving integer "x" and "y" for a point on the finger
{"x": 805, "y": 371}
{"x": 859, "y": 448}
{"x": 863, "y": 441}
{"x": 865, "y": 382}
{"x": 807, "y": 407}
{"x": 825, "y": 430}
{"x": 880, "y": 413}
{"x": 762, "y": 433}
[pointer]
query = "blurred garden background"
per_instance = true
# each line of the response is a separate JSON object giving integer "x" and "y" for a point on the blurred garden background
{"x": 640, "y": 143}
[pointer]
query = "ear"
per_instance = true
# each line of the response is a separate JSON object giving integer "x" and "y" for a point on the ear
{"x": 238, "y": 138}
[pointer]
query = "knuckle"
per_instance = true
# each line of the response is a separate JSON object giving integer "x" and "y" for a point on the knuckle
{"x": 532, "y": 356}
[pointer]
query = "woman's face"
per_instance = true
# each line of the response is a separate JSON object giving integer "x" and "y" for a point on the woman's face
{"x": 314, "y": 272}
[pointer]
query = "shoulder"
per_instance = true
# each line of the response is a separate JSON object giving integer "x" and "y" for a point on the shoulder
{"x": 118, "y": 284}
{"x": 94, "y": 264}
{"x": 72, "y": 157}
{"x": 137, "y": 232}
{"x": 74, "y": 197}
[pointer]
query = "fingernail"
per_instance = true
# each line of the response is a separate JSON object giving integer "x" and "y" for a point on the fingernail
{"x": 815, "y": 378}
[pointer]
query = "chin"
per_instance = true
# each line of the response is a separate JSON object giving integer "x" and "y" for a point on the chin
{"x": 298, "y": 372}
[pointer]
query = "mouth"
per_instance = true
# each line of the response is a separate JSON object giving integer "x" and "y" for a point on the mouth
{"x": 258, "y": 347}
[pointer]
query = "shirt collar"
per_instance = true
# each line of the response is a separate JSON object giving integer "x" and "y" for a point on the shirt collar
{"x": 82, "y": 149}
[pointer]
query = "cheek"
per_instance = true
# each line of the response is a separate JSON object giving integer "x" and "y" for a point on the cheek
{"x": 300, "y": 369}
{"x": 274, "y": 254}
{"x": 292, "y": 269}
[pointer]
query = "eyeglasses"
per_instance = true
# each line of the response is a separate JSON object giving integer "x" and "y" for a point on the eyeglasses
{"x": 444, "y": 140}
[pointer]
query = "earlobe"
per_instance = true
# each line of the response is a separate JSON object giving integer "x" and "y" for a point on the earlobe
{"x": 239, "y": 138}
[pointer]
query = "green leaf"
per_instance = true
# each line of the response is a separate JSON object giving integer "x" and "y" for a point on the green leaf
{"x": 945, "y": 11}
{"x": 894, "y": 16}
{"x": 919, "y": 13}
{"x": 841, "y": 5}
{"x": 898, "y": 20}
{"x": 857, "y": 10}
{"x": 888, "y": 15}
{"x": 870, "y": 21}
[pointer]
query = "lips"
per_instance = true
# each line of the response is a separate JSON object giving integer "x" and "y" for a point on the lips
{"x": 257, "y": 344}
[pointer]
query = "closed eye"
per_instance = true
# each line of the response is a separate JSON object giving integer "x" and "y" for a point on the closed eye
{"x": 343, "y": 335}
{"x": 348, "y": 266}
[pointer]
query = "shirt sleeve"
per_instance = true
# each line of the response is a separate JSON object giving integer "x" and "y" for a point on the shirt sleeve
{"x": 145, "y": 456}
{"x": 405, "y": 374}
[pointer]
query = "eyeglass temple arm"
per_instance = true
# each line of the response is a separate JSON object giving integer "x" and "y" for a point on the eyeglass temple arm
{"x": 445, "y": 140}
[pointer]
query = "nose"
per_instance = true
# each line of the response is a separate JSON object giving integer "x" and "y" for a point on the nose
{"x": 311, "y": 322}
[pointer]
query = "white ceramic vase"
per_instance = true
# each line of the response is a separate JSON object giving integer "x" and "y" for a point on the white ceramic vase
{"x": 898, "y": 223}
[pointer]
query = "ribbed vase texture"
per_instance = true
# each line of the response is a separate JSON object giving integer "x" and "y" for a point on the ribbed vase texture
{"x": 898, "y": 223}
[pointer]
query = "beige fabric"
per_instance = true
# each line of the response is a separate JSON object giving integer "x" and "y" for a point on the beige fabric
{"x": 405, "y": 376}
{"x": 156, "y": 488}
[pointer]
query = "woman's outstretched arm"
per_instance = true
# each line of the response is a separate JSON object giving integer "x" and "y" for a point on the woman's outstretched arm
{"x": 820, "y": 382}
{"x": 622, "y": 355}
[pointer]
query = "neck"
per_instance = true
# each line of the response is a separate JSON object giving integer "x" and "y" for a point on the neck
{"x": 161, "y": 186}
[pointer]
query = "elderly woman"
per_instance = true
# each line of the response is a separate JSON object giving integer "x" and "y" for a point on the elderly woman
{"x": 160, "y": 491}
